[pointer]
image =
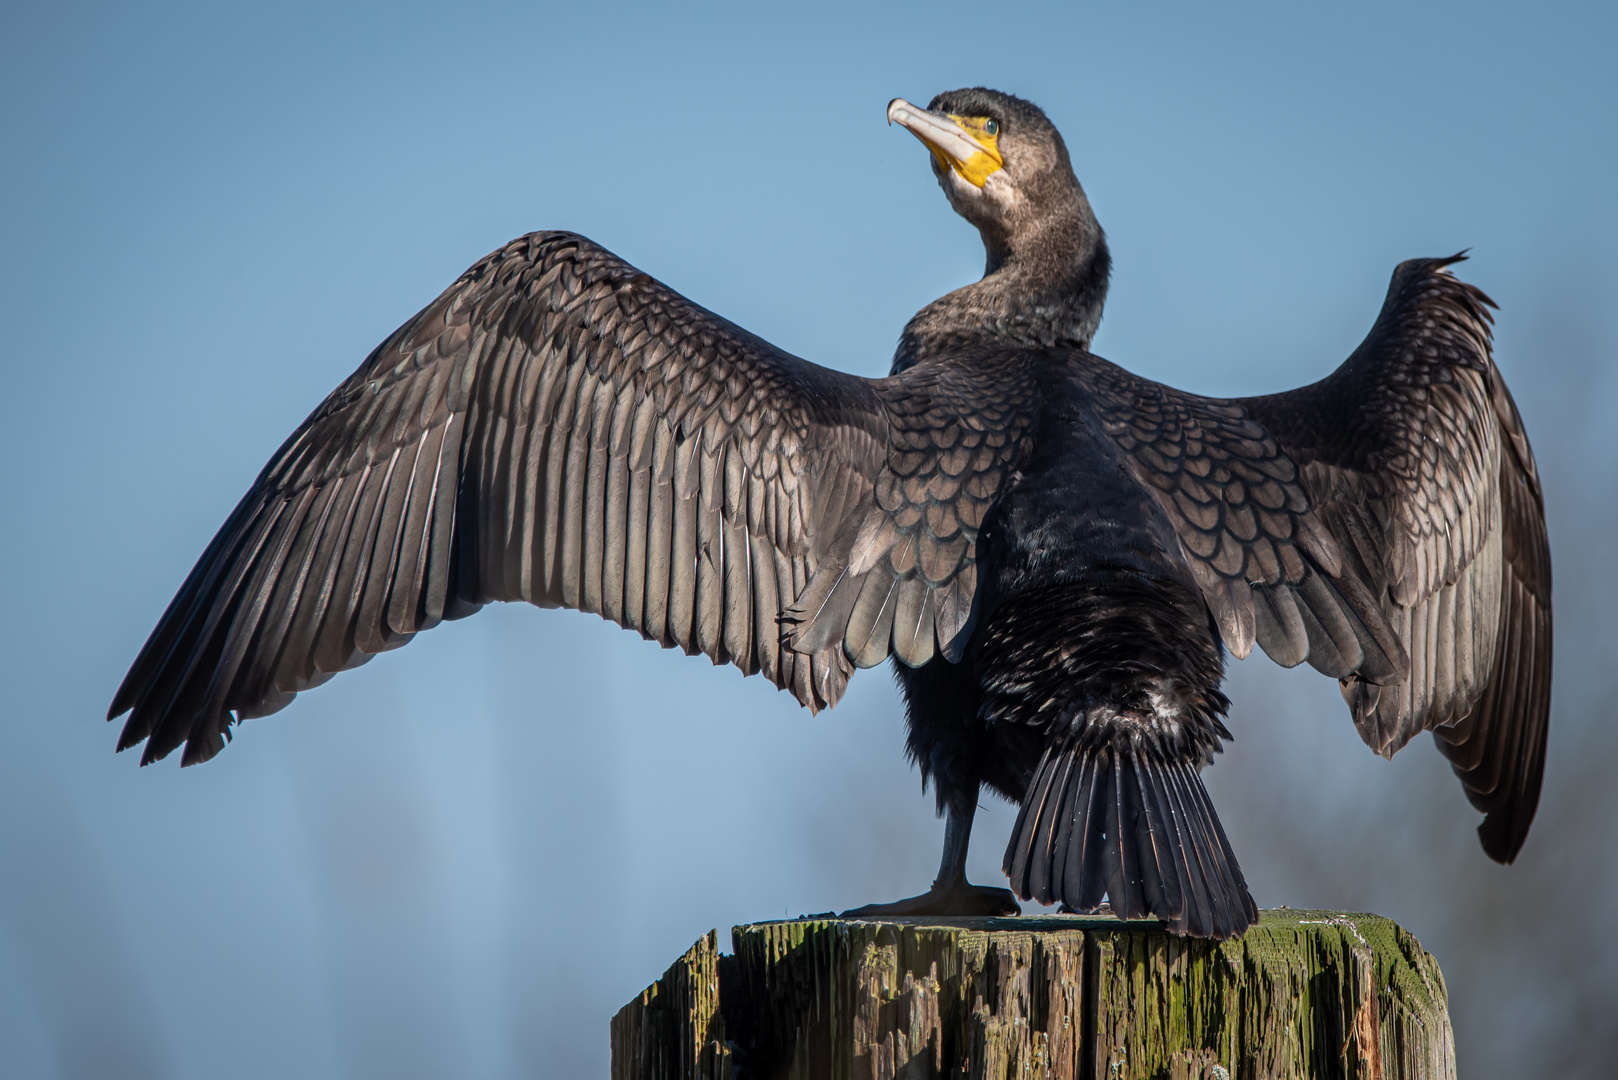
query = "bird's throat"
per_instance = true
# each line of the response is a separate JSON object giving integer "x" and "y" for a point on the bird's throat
{"x": 1042, "y": 292}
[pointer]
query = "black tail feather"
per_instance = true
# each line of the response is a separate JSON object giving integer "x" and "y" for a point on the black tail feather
{"x": 1178, "y": 894}
{"x": 1206, "y": 856}
{"x": 1099, "y": 820}
{"x": 1080, "y": 873}
{"x": 1123, "y": 859}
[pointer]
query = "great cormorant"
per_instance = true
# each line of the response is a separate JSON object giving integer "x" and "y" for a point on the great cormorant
{"x": 1054, "y": 550}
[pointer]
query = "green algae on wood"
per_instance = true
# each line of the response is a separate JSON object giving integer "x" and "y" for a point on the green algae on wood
{"x": 1302, "y": 994}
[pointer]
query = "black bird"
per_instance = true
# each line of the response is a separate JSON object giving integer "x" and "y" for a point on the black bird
{"x": 1054, "y": 550}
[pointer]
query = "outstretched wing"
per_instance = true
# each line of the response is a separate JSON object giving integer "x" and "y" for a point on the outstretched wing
{"x": 1415, "y": 458}
{"x": 560, "y": 428}
{"x": 1385, "y": 524}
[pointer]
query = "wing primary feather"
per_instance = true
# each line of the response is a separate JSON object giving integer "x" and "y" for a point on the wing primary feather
{"x": 786, "y": 589}
{"x": 333, "y": 635}
{"x": 1467, "y": 682}
{"x": 736, "y": 638}
{"x": 373, "y": 635}
{"x": 180, "y": 632}
{"x": 1485, "y": 776}
{"x": 1514, "y": 734}
{"x": 415, "y": 537}
{"x": 515, "y": 568}
{"x": 596, "y": 503}
{"x": 766, "y": 609}
{"x": 1506, "y": 827}
{"x": 166, "y": 711}
{"x": 498, "y": 436}
{"x": 711, "y": 557}
{"x": 287, "y": 666}
{"x": 615, "y": 555}
{"x": 660, "y": 537}
{"x": 221, "y": 693}
{"x": 340, "y": 637}
{"x": 637, "y": 531}
{"x": 708, "y": 608}
{"x": 1444, "y": 665}
{"x": 683, "y": 565}
{"x": 446, "y": 484}
{"x": 575, "y": 487}
{"x": 558, "y": 450}
{"x": 297, "y": 669}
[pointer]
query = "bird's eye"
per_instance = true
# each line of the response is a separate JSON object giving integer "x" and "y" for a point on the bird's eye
{"x": 991, "y": 127}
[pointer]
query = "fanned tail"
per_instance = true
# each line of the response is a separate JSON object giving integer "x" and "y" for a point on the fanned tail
{"x": 1124, "y": 824}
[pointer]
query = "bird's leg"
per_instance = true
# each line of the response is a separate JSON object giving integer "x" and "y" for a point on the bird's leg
{"x": 951, "y": 893}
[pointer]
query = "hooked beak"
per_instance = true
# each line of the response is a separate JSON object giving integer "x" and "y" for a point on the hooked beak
{"x": 974, "y": 156}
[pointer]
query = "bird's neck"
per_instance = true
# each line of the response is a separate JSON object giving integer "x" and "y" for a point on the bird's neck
{"x": 1041, "y": 290}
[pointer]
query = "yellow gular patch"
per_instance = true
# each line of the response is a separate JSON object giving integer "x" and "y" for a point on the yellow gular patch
{"x": 977, "y": 169}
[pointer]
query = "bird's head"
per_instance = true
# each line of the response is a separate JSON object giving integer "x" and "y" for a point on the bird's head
{"x": 1006, "y": 170}
{"x": 1000, "y": 161}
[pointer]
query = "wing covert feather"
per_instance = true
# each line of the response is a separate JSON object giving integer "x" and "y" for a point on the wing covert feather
{"x": 902, "y": 577}
{"x": 1269, "y": 569}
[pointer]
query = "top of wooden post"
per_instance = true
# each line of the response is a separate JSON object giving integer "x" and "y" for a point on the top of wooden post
{"x": 1303, "y": 993}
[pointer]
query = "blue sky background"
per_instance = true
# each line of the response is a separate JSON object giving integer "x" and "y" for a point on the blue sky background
{"x": 462, "y": 859}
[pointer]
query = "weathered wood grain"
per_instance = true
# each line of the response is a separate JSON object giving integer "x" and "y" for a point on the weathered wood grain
{"x": 673, "y": 1029}
{"x": 1302, "y": 994}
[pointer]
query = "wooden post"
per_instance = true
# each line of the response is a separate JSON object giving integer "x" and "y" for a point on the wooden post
{"x": 1302, "y": 994}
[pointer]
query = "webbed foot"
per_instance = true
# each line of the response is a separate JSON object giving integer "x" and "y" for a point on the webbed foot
{"x": 957, "y": 898}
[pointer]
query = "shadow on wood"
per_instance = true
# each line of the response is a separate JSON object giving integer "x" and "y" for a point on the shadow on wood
{"x": 1302, "y": 994}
